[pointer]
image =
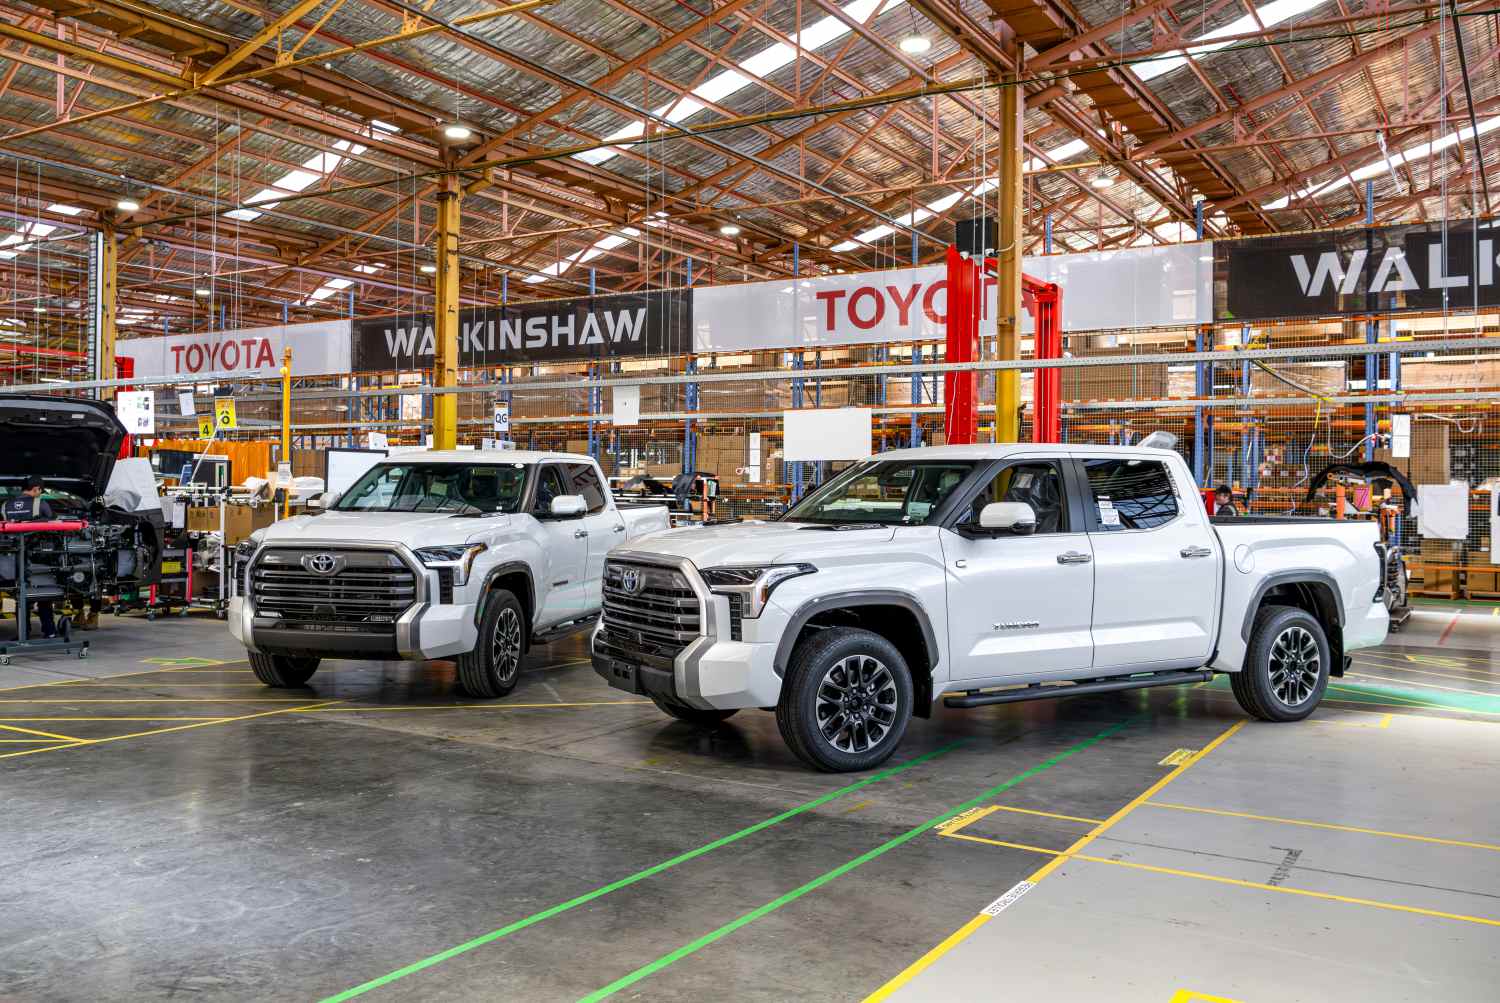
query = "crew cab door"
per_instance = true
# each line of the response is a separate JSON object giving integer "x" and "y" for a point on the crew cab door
{"x": 605, "y": 527}
{"x": 1156, "y": 565}
{"x": 564, "y": 549}
{"x": 1020, "y": 604}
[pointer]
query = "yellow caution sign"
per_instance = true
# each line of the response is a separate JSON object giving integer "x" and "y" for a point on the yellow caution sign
{"x": 205, "y": 426}
{"x": 224, "y": 414}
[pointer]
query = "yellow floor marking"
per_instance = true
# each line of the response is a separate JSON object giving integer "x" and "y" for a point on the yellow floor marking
{"x": 1384, "y": 722}
{"x": 1193, "y": 996}
{"x": 1406, "y": 665}
{"x": 360, "y": 708}
{"x": 997, "y": 842}
{"x": 1402, "y": 704}
{"x": 156, "y": 700}
{"x": 1326, "y": 825}
{"x": 1387, "y": 667}
{"x": 1177, "y": 757}
{"x": 44, "y": 734}
{"x": 964, "y": 932}
{"x": 120, "y": 675}
{"x": 188, "y": 661}
{"x": 83, "y": 743}
{"x": 25, "y": 741}
{"x": 1049, "y": 814}
{"x": 1420, "y": 685}
{"x": 173, "y": 718}
{"x": 962, "y": 819}
{"x": 164, "y": 682}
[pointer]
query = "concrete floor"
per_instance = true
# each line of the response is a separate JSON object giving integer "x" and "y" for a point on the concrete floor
{"x": 174, "y": 830}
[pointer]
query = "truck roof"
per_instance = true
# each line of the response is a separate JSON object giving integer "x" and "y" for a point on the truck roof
{"x": 524, "y": 456}
{"x": 996, "y": 451}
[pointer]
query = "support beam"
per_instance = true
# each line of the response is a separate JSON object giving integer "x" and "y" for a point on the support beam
{"x": 445, "y": 318}
{"x": 1008, "y": 308}
{"x": 105, "y": 282}
{"x": 271, "y": 30}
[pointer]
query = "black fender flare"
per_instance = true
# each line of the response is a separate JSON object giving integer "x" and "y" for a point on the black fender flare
{"x": 1295, "y": 576}
{"x": 843, "y": 600}
{"x": 508, "y": 568}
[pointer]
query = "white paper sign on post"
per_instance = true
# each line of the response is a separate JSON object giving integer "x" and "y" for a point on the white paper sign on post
{"x": 411, "y": 407}
{"x": 376, "y": 440}
{"x": 137, "y": 411}
{"x": 827, "y": 434}
{"x": 502, "y": 420}
{"x": 185, "y": 406}
{"x": 1400, "y": 436}
{"x": 627, "y": 405}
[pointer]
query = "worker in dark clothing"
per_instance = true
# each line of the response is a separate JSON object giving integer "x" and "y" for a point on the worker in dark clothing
{"x": 29, "y": 506}
{"x": 1224, "y": 501}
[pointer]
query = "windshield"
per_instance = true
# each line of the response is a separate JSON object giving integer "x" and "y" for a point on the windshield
{"x": 884, "y": 492}
{"x": 436, "y": 487}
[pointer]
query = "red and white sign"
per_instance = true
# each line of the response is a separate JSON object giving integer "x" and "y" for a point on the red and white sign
{"x": 318, "y": 349}
{"x": 1128, "y": 288}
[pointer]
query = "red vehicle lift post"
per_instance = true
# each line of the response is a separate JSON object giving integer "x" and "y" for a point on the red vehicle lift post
{"x": 968, "y": 280}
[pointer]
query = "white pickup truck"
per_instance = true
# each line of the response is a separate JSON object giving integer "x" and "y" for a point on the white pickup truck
{"x": 464, "y": 555}
{"x": 981, "y": 575}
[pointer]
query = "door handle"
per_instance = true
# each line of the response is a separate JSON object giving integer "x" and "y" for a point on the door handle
{"x": 579, "y": 534}
{"x": 620, "y": 528}
{"x": 1191, "y": 552}
{"x": 1074, "y": 557}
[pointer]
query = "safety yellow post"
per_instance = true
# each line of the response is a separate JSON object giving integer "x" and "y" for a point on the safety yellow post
{"x": 286, "y": 425}
{"x": 1008, "y": 286}
{"x": 106, "y": 309}
{"x": 445, "y": 320}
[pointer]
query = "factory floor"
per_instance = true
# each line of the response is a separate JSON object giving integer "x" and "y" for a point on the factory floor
{"x": 174, "y": 830}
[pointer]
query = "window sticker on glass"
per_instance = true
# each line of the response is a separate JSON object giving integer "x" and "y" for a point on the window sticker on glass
{"x": 1108, "y": 514}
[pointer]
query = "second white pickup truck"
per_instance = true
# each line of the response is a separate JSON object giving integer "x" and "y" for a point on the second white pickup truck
{"x": 982, "y": 575}
{"x": 466, "y": 555}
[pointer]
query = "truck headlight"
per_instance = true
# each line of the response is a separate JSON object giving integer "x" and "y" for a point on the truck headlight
{"x": 754, "y": 584}
{"x": 459, "y": 557}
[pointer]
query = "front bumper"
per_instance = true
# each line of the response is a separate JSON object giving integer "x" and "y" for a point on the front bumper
{"x": 424, "y": 632}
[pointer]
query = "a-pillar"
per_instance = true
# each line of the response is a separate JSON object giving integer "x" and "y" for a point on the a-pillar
{"x": 1008, "y": 255}
{"x": 445, "y": 320}
{"x": 105, "y": 307}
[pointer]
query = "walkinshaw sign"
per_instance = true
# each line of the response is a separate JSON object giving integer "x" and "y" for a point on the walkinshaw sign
{"x": 1423, "y": 266}
{"x": 599, "y": 327}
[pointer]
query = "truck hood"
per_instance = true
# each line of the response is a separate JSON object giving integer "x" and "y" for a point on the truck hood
{"x": 72, "y": 443}
{"x": 744, "y": 543}
{"x": 414, "y": 529}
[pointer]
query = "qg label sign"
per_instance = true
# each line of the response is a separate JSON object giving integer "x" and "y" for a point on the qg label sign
{"x": 642, "y": 324}
{"x": 1369, "y": 270}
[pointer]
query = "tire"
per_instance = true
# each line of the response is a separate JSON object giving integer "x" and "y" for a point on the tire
{"x": 867, "y": 715}
{"x": 693, "y": 715}
{"x": 1280, "y": 681}
{"x": 494, "y": 666}
{"x": 283, "y": 671}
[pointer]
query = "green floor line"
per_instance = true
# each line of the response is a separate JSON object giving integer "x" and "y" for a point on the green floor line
{"x": 1418, "y": 697}
{"x": 666, "y": 960}
{"x": 614, "y": 886}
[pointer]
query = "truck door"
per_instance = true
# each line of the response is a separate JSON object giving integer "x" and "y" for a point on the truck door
{"x": 1156, "y": 566}
{"x": 564, "y": 550}
{"x": 605, "y": 527}
{"x": 1020, "y": 604}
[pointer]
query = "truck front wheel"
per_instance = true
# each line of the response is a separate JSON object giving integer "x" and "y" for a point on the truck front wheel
{"x": 1286, "y": 669}
{"x": 492, "y": 668}
{"x": 846, "y": 700}
{"x": 282, "y": 670}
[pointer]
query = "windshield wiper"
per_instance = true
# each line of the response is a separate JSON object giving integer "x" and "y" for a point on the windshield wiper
{"x": 841, "y": 526}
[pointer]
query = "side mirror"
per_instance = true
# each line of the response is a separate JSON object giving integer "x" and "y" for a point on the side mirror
{"x": 569, "y": 506}
{"x": 324, "y": 501}
{"x": 1008, "y": 517}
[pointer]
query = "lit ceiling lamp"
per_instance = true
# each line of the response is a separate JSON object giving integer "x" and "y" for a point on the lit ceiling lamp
{"x": 128, "y": 204}
{"x": 38, "y": 309}
{"x": 915, "y": 45}
{"x": 1102, "y": 180}
{"x": 203, "y": 291}
{"x": 729, "y": 230}
{"x": 429, "y": 269}
{"x": 457, "y": 131}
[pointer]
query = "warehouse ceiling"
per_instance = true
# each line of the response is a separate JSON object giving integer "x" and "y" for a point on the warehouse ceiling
{"x": 286, "y": 156}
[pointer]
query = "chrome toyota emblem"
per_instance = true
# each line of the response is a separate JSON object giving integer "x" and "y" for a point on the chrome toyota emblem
{"x": 630, "y": 580}
{"x": 322, "y": 564}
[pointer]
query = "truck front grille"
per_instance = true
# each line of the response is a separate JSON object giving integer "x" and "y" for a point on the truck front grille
{"x": 365, "y": 592}
{"x": 651, "y": 622}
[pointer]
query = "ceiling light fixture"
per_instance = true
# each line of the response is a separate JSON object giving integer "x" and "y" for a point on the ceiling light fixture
{"x": 1102, "y": 181}
{"x": 38, "y": 309}
{"x": 201, "y": 291}
{"x": 915, "y": 45}
{"x": 128, "y": 204}
{"x": 729, "y": 230}
{"x": 457, "y": 131}
{"x": 429, "y": 269}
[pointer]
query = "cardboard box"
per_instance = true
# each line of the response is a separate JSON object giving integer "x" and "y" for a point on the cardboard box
{"x": 242, "y": 520}
{"x": 202, "y": 519}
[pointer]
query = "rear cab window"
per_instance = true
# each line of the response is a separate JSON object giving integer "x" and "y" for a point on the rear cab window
{"x": 1131, "y": 493}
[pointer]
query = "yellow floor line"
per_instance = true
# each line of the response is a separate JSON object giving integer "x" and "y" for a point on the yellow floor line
{"x": 154, "y": 700}
{"x": 1384, "y": 722}
{"x": 93, "y": 679}
{"x": 1326, "y": 825}
{"x": 1049, "y": 814}
{"x": 175, "y": 717}
{"x": 25, "y": 741}
{"x": 1420, "y": 685}
{"x": 44, "y": 734}
{"x": 964, "y": 932}
{"x": 359, "y": 708}
{"x": 1474, "y": 676}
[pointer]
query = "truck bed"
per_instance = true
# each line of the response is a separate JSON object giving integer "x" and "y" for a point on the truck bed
{"x": 1272, "y": 520}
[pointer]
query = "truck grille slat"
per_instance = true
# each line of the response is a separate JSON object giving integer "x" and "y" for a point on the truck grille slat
{"x": 653, "y": 622}
{"x": 373, "y": 588}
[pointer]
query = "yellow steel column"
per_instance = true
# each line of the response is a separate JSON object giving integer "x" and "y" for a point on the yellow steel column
{"x": 1008, "y": 311}
{"x": 445, "y": 320}
{"x": 286, "y": 425}
{"x": 107, "y": 290}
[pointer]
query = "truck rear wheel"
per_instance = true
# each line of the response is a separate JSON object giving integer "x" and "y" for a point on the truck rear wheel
{"x": 494, "y": 666}
{"x": 693, "y": 715}
{"x": 283, "y": 671}
{"x": 846, "y": 700}
{"x": 1286, "y": 668}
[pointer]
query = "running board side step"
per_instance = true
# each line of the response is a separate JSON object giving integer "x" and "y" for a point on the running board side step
{"x": 565, "y": 630}
{"x": 1036, "y": 691}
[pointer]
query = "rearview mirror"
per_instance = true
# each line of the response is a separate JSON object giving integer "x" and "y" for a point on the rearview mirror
{"x": 325, "y": 501}
{"x": 568, "y": 506}
{"x": 1008, "y": 517}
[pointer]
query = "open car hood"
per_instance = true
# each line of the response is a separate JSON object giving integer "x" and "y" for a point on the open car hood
{"x": 1369, "y": 472}
{"x": 71, "y": 443}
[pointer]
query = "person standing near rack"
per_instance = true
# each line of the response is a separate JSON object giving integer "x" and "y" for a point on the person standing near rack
{"x": 29, "y": 506}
